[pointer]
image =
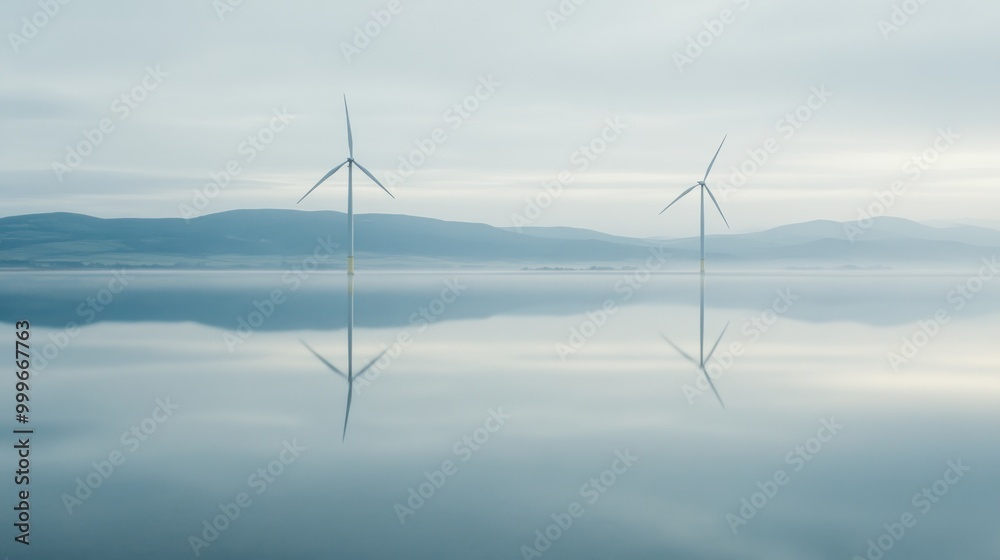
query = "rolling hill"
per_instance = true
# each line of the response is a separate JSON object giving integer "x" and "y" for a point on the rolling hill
{"x": 269, "y": 239}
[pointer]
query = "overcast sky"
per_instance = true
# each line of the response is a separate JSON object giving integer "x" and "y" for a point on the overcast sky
{"x": 200, "y": 77}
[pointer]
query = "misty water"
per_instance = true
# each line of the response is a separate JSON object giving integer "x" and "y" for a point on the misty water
{"x": 515, "y": 415}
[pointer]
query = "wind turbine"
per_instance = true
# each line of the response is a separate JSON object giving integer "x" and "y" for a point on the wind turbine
{"x": 704, "y": 189}
{"x": 702, "y": 358}
{"x": 350, "y": 163}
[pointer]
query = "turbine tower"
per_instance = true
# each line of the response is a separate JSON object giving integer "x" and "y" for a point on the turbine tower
{"x": 704, "y": 189}
{"x": 350, "y": 163}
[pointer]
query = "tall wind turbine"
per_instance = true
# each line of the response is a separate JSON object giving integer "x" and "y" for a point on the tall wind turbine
{"x": 704, "y": 189}
{"x": 350, "y": 163}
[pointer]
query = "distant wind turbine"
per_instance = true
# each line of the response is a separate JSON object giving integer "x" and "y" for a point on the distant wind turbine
{"x": 704, "y": 189}
{"x": 702, "y": 358}
{"x": 350, "y": 163}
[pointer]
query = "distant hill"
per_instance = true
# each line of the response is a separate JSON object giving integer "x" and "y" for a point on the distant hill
{"x": 276, "y": 238}
{"x": 282, "y": 238}
{"x": 576, "y": 233}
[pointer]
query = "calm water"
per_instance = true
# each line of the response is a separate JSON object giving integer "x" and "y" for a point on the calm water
{"x": 531, "y": 415}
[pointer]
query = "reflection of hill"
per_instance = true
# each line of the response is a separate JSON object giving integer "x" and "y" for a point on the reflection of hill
{"x": 218, "y": 299}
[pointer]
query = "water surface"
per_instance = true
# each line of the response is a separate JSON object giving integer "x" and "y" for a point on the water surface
{"x": 509, "y": 400}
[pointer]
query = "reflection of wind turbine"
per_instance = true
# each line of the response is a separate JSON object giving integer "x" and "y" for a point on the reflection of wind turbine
{"x": 349, "y": 376}
{"x": 350, "y": 163}
{"x": 704, "y": 189}
{"x": 702, "y": 358}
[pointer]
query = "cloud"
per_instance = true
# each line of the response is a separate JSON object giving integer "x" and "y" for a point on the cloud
{"x": 605, "y": 60}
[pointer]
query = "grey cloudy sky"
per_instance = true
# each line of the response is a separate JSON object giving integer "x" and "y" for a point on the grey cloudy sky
{"x": 197, "y": 84}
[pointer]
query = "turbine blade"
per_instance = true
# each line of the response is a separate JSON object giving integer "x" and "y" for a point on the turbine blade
{"x": 679, "y": 351}
{"x": 347, "y": 415}
{"x": 370, "y": 364}
{"x": 712, "y": 385}
{"x": 678, "y": 198}
{"x": 325, "y": 177}
{"x": 350, "y": 136}
{"x": 713, "y": 158}
{"x": 372, "y": 177}
{"x": 717, "y": 207}
{"x": 716, "y": 345}
{"x": 322, "y": 359}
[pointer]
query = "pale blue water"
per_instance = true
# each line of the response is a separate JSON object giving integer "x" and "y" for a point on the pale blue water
{"x": 494, "y": 352}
